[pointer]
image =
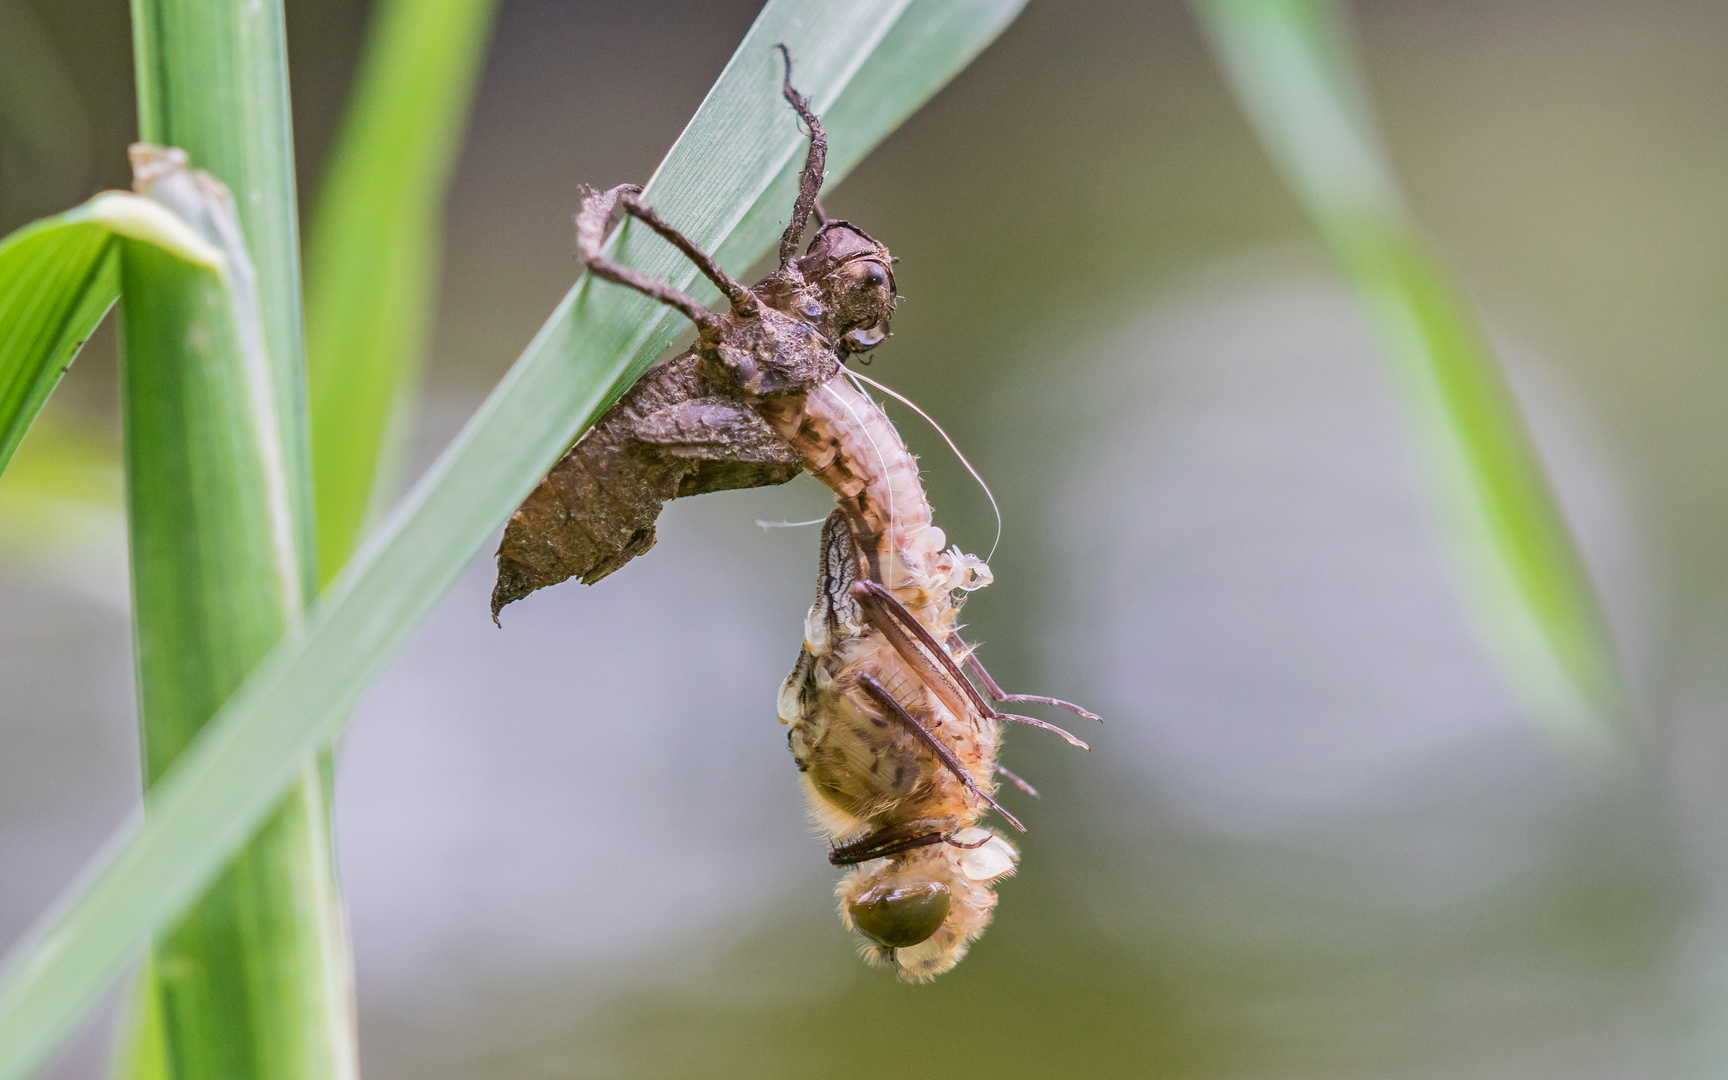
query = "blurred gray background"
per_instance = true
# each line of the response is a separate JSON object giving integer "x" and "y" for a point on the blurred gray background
{"x": 1316, "y": 837}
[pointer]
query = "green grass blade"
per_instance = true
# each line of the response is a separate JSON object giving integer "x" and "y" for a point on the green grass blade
{"x": 58, "y": 277}
{"x": 1291, "y": 65}
{"x": 373, "y": 254}
{"x": 142, "y": 1051}
{"x": 254, "y": 980}
{"x": 742, "y": 141}
{"x": 56, "y": 285}
{"x": 212, "y": 79}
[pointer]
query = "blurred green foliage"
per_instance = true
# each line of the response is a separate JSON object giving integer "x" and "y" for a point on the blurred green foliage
{"x": 1292, "y": 66}
{"x": 373, "y": 253}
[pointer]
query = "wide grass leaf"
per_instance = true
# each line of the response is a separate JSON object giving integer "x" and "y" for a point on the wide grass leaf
{"x": 58, "y": 277}
{"x": 255, "y": 979}
{"x": 743, "y": 144}
{"x": 212, "y": 79}
{"x": 1290, "y": 63}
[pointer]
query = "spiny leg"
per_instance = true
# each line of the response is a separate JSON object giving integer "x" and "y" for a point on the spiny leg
{"x": 999, "y": 694}
{"x": 743, "y": 301}
{"x": 895, "y": 839}
{"x": 915, "y": 645}
{"x": 591, "y": 233}
{"x": 810, "y": 181}
{"x": 943, "y": 754}
{"x": 948, "y": 838}
{"x": 881, "y": 844}
{"x": 1016, "y": 780}
{"x": 940, "y": 680}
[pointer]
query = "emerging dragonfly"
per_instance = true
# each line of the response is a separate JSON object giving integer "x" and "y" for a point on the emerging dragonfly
{"x": 896, "y": 746}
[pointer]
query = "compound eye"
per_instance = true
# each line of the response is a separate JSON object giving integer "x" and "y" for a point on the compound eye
{"x": 900, "y": 916}
{"x": 872, "y": 276}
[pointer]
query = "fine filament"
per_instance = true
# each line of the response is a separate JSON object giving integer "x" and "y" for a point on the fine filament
{"x": 909, "y": 403}
{"x": 766, "y": 525}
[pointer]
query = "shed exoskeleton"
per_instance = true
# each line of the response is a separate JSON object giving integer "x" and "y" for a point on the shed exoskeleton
{"x": 693, "y": 424}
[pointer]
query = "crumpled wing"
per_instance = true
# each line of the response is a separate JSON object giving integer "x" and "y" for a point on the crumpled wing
{"x": 670, "y": 436}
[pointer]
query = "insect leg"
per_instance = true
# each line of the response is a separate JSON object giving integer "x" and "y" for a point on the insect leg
{"x": 591, "y": 231}
{"x": 880, "y": 845}
{"x": 895, "y": 839}
{"x": 943, "y": 754}
{"x": 810, "y": 181}
{"x": 743, "y": 301}
{"x": 915, "y": 645}
{"x": 997, "y": 692}
{"x": 973, "y": 846}
{"x": 1016, "y": 780}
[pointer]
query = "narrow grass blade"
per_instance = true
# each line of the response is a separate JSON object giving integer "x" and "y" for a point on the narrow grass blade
{"x": 1292, "y": 67}
{"x": 373, "y": 254}
{"x": 741, "y": 142}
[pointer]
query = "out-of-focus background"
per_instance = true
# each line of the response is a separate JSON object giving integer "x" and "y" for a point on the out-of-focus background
{"x": 1316, "y": 837}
